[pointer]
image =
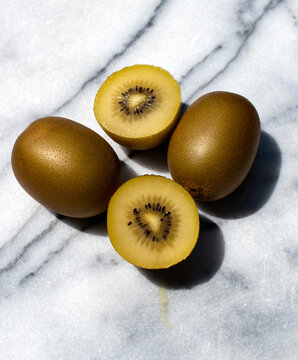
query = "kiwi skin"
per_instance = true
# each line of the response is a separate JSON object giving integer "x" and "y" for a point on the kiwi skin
{"x": 214, "y": 145}
{"x": 66, "y": 167}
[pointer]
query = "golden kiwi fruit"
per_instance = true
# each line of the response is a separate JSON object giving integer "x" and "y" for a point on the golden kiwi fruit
{"x": 214, "y": 145}
{"x": 138, "y": 106}
{"x": 66, "y": 167}
{"x": 152, "y": 222}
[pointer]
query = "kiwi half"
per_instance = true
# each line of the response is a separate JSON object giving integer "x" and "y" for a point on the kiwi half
{"x": 138, "y": 106}
{"x": 152, "y": 222}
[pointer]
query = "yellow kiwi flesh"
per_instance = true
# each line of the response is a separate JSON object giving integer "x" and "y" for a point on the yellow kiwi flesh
{"x": 152, "y": 222}
{"x": 138, "y": 106}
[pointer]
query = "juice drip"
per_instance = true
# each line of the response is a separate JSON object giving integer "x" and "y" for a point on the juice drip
{"x": 163, "y": 300}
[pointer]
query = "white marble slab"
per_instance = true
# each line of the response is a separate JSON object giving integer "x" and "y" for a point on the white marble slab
{"x": 64, "y": 292}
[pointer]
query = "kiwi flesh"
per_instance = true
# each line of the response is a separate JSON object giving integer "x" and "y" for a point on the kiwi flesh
{"x": 138, "y": 106}
{"x": 152, "y": 222}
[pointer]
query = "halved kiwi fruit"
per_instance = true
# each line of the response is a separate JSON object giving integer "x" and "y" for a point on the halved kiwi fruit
{"x": 138, "y": 106}
{"x": 153, "y": 222}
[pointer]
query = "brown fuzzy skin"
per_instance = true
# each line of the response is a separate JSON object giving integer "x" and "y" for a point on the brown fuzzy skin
{"x": 66, "y": 167}
{"x": 147, "y": 142}
{"x": 214, "y": 145}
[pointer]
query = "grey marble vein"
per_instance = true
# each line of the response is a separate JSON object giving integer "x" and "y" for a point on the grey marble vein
{"x": 245, "y": 35}
{"x": 64, "y": 292}
{"x": 292, "y": 14}
{"x": 139, "y": 33}
{"x": 50, "y": 256}
{"x": 32, "y": 242}
{"x": 19, "y": 230}
{"x": 210, "y": 55}
{"x": 132, "y": 41}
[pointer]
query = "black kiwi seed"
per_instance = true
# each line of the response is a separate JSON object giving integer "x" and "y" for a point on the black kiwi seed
{"x": 153, "y": 207}
{"x": 139, "y": 109}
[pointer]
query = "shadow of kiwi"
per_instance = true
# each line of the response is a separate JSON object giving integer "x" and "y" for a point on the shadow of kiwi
{"x": 127, "y": 172}
{"x": 184, "y": 107}
{"x": 256, "y": 189}
{"x": 96, "y": 225}
{"x": 156, "y": 158}
{"x": 199, "y": 267}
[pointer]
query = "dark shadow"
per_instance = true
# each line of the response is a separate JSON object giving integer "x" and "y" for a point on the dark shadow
{"x": 184, "y": 107}
{"x": 127, "y": 172}
{"x": 200, "y": 266}
{"x": 256, "y": 189}
{"x": 126, "y": 150}
{"x": 156, "y": 158}
{"x": 96, "y": 225}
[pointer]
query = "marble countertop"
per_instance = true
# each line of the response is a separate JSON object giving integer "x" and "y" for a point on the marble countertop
{"x": 64, "y": 292}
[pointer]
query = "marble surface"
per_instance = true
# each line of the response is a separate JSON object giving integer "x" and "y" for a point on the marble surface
{"x": 64, "y": 292}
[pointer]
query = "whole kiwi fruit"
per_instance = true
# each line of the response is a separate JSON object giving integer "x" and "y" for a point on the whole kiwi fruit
{"x": 214, "y": 145}
{"x": 66, "y": 167}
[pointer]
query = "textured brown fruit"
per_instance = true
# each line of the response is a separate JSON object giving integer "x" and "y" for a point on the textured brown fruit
{"x": 214, "y": 145}
{"x": 138, "y": 106}
{"x": 66, "y": 167}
